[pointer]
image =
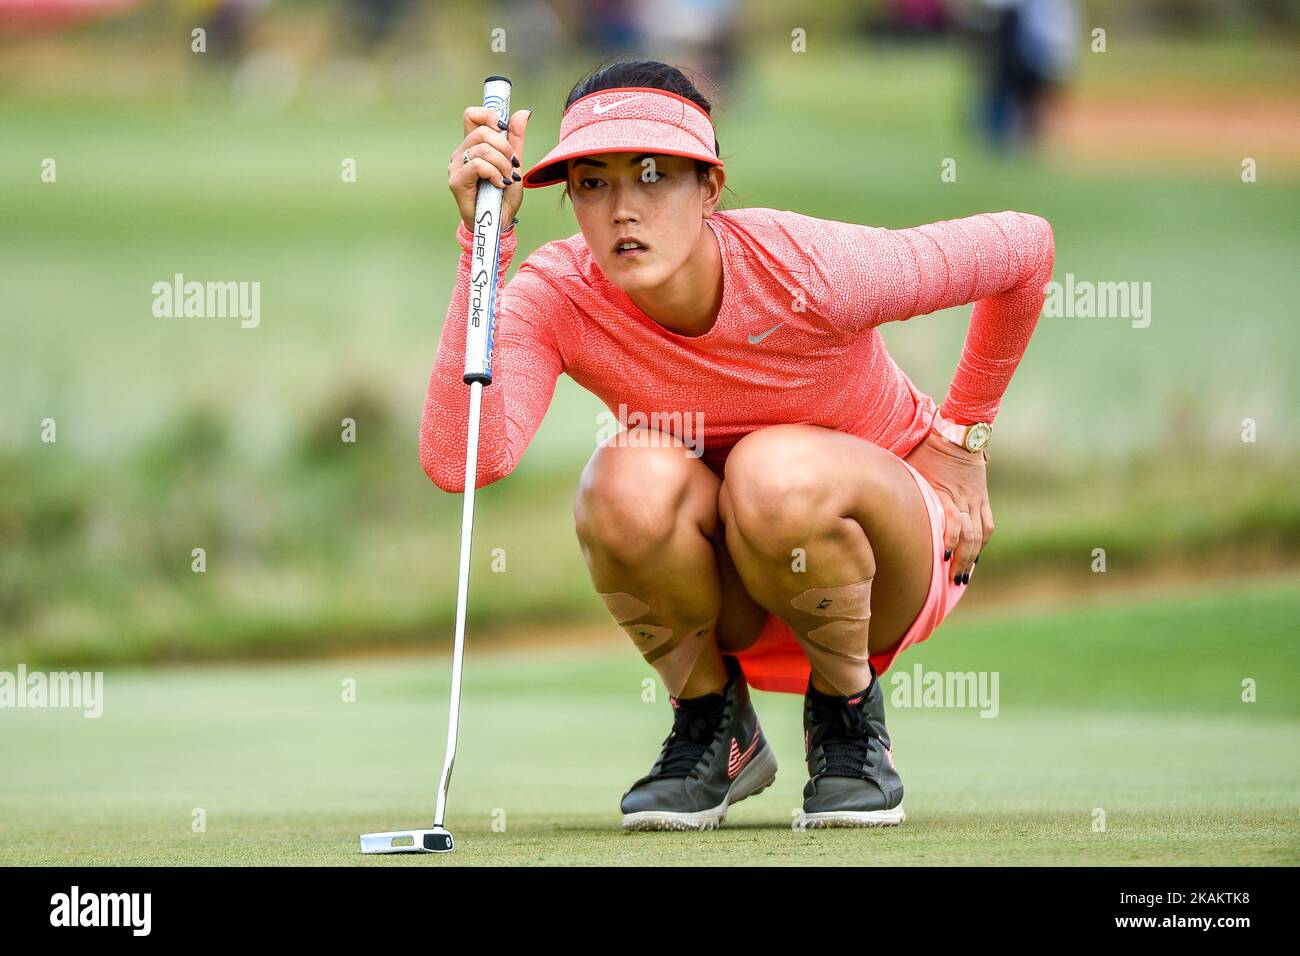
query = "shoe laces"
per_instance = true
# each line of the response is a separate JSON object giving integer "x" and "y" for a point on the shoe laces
{"x": 692, "y": 733}
{"x": 845, "y": 736}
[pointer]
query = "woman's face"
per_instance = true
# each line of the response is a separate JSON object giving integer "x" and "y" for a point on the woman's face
{"x": 657, "y": 199}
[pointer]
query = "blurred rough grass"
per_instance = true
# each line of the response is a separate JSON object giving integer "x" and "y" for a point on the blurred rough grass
{"x": 331, "y": 545}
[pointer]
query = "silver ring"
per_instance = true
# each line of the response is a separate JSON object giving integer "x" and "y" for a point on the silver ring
{"x": 966, "y": 513}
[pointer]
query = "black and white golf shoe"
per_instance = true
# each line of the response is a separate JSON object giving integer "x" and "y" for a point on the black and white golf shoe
{"x": 715, "y": 756}
{"x": 852, "y": 781}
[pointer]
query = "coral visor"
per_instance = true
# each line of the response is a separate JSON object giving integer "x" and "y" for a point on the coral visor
{"x": 633, "y": 119}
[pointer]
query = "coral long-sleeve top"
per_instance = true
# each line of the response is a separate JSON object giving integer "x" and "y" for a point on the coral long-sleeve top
{"x": 819, "y": 288}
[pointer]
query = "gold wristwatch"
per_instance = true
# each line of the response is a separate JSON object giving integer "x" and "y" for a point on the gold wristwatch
{"x": 974, "y": 438}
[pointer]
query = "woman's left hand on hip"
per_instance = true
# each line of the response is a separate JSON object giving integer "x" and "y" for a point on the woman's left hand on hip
{"x": 959, "y": 477}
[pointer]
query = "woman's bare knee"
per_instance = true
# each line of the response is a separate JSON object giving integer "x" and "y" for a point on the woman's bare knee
{"x": 773, "y": 488}
{"x": 630, "y": 499}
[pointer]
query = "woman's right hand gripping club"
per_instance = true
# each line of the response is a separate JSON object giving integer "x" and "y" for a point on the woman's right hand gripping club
{"x": 494, "y": 156}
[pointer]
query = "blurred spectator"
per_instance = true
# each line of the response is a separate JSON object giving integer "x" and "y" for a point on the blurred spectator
{"x": 538, "y": 36}
{"x": 700, "y": 34}
{"x": 369, "y": 23}
{"x": 37, "y": 16}
{"x": 1032, "y": 48}
{"x": 611, "y": 25}
{"x": 910, "y": 19}
{"x": 228, "y": 26}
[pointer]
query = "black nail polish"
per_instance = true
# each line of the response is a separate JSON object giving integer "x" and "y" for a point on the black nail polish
{"x": 514, "y": 161}
{"x": 947, "y": 555}
{"x": 502, "y": 125}
{"x": 517, "y": 177}
{"x": 957, "y": 579}
{"x": 505, "y": 183}
{"x": 965, "y": 578}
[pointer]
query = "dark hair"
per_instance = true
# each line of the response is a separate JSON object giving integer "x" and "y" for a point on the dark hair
{"x": 648, "y": 73}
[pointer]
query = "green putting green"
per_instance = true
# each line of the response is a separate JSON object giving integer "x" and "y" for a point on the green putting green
{"x": 1133, "y": 711}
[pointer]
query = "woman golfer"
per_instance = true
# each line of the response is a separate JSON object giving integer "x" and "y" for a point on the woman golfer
{"x": 825, "y": 514}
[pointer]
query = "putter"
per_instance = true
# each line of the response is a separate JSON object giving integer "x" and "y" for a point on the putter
{"x": 478, "y": 374}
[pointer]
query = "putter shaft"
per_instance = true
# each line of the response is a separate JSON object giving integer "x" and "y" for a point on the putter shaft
{"x": 462, "y": 596}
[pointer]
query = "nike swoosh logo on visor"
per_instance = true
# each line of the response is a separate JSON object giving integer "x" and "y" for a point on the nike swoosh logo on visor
{"x": 597, "y": 107}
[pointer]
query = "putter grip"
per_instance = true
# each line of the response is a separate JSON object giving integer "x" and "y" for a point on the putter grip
{"x": 484, "y": 256}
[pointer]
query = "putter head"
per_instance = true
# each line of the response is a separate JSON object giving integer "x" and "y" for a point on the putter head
{"x": 437, "y": 840}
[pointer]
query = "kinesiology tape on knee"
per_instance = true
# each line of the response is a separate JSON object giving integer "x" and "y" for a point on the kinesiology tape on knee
{"x": 839, "y": 649}
{"x": 674, "y": 660}
{"x": 624, "y": 606}
{"x": 672, "y": 656}
{"x": 849, "y": 600}
{"x": 626, "y": 610}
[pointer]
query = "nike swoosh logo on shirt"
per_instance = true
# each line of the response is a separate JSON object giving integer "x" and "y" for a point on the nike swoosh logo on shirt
{"x": 755, "y": 339}
{"x": 598, "y": 107}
